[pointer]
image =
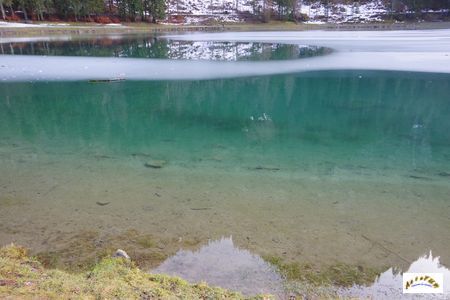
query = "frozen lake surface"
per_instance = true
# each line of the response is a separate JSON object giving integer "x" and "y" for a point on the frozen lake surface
{"x": 418, "y": 51}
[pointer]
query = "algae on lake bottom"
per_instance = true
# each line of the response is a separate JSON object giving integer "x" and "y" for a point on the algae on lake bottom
{"x": 339, "y": 274}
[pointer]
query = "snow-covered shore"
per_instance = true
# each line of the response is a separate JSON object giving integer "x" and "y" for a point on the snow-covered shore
{"x": 4, "y": 24}
{"x": 234, "y": 11}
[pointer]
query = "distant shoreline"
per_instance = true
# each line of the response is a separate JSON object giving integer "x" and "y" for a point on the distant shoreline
{"x": 49, "y": 28}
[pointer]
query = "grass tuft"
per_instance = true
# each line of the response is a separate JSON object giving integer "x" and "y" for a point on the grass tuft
{"x": 111, "y": 278}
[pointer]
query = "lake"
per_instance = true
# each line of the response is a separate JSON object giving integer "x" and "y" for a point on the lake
{"x": 298, "y": 149}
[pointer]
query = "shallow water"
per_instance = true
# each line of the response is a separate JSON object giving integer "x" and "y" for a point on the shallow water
{"x": 389, "y": 283}
{"x": 319, "y": 168}
{"x": 306, "y": 125}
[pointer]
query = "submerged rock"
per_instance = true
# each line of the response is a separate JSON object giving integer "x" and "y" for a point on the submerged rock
{"x": 419, "y": 177}
{"x": 264, "y": 168}
{"x": 155, "y": 164}
{"x": 121, "y": 253}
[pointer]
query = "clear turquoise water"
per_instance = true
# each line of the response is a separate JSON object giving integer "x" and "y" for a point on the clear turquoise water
{"x": 377, "y": 121}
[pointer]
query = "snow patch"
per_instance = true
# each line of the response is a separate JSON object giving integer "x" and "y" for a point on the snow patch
{"x": 20, "y": 25}
{"x": 198, "y": 11}
{"x": 17, "y": 25}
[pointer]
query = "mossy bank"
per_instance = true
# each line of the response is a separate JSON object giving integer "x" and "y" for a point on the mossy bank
{"x": 24, "y": 277}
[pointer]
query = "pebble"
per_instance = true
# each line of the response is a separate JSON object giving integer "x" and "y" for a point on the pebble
{"x": 121, "y": 253}
{"x": 155, "y": 164}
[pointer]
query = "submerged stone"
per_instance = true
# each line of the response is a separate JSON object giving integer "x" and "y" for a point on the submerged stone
{"x": 155, "y": 164}
{"x": 121, "y": 253}
{"x": 265, "y": 168}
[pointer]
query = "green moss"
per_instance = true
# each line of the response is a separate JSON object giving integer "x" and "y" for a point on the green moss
{"x": 9, "y": 201}
{"x": 295, "y": 271}
{"x": 13, "y": 252}
{"x": 338, "y": 274}
{"x": 111, "y": 278}
{"x": 80, "y": 253}
{"x": 85, "y": 249}
{"x": 49, "y": 259}
{"x": 346, "y": 275}
{"x": 146, "y": 241}
{"x": 143, "y": 258}
{"x": 189, "y": 243}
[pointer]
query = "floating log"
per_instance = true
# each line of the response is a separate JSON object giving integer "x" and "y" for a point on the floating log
{"x": 106, "y": 80}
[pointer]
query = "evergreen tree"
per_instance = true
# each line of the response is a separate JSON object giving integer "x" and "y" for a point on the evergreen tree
{"x": 157, "y": 9}
{"x": 286, "y": 9}
{"x": 2, "y": 10}
{"x": 152, "y": 10}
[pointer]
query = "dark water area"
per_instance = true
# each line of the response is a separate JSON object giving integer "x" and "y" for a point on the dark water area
{"x": 162, "y": 48}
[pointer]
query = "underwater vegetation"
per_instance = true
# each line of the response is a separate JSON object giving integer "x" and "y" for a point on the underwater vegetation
{"x": 338, "y": 274}
{"x": 85, "y": 249}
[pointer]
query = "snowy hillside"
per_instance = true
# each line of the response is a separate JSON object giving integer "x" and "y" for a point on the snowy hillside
{"x": 370, "y": 11}
{"x": 197, "y": 11}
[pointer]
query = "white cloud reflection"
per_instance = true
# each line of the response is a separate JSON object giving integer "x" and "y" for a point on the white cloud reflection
{"x": 389, "y": 284}
{"x": 220, "y": 263}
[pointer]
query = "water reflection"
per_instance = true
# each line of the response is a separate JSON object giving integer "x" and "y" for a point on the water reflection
{"x": 153, "y": 47}
{"x": 389, "y": 284}
{"x": 220, "y": 263}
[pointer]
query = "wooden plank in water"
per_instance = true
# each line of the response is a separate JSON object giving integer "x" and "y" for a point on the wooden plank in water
{"x": 106, "y": 80}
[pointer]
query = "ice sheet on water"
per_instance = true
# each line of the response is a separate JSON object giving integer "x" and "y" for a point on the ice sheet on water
{"x": 24, "y": 68}
{"x": 371, "y": 41}
{"x": 417, "y": 51}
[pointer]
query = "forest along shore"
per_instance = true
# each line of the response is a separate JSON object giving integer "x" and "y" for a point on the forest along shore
{"x": 8, "y": 29}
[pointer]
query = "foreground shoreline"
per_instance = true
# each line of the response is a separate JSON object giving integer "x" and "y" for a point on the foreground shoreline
{"x": 111, "y": 278}
{"x": 49, "y": 28}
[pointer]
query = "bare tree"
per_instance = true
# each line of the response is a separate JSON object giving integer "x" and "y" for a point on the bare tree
{"x": 3, "y": 10}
